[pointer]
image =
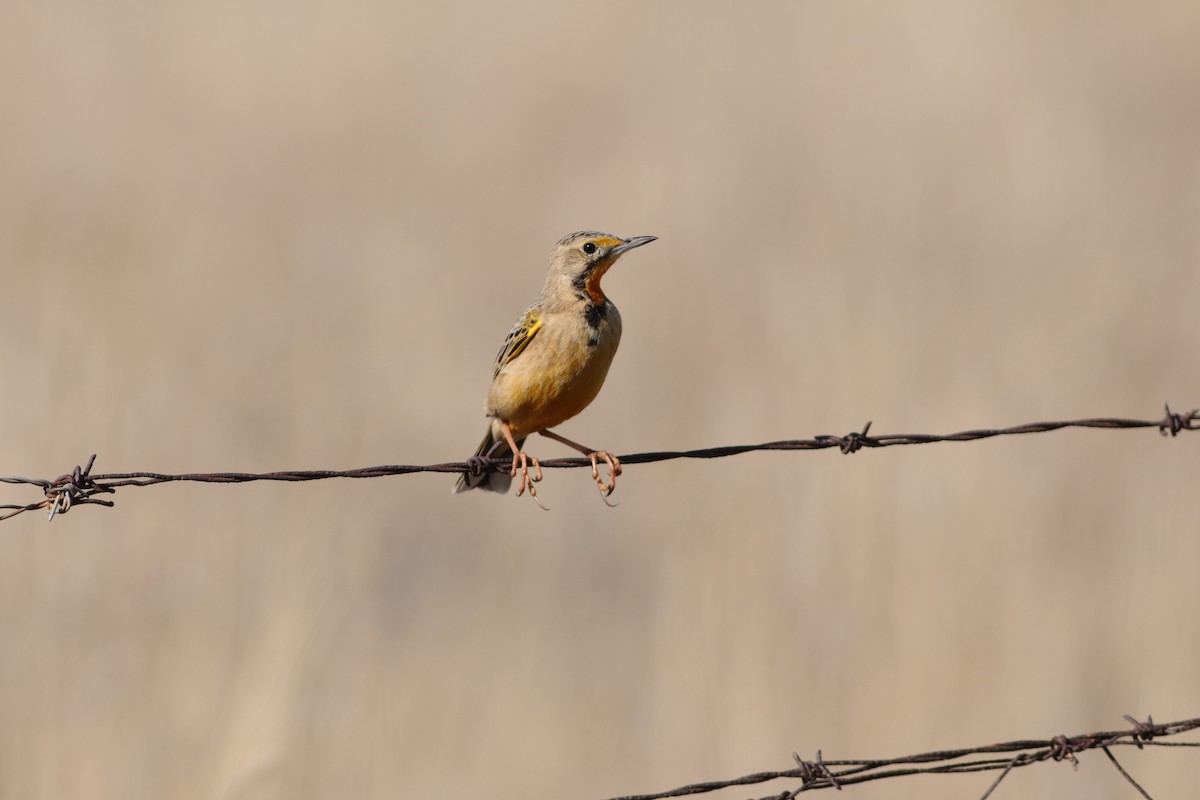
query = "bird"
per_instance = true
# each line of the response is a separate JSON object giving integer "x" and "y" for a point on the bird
{"x": 552, "y": 365}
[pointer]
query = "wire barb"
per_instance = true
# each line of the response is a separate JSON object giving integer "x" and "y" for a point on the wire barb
{"x": 822, "y": 774}
{"x": 477, "y": 466}
{"x": 1174, "y": 423}
{"x": 79, "y": 487}
{"x": 76, "y": 488}
{"x": 1062, "y": 749}
{"x": 852, "y": 442}
{"x": 813, "y": 774}
{"x": 1145, "y": 730}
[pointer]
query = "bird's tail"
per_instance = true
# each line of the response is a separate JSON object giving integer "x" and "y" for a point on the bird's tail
{"x": 490, "y": 447}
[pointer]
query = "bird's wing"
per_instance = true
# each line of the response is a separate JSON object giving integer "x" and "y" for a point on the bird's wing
{"x": 518, "y": 338}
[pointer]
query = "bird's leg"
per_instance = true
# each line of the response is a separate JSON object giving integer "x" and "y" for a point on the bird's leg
{"x": 524, "y": 460}
{"x": 596, "y": 456}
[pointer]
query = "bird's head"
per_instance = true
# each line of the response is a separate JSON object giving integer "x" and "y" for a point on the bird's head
{"x": 580, "y": 260}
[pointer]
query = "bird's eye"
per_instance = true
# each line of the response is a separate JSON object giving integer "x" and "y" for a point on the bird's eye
{"x": 589, "y": 248}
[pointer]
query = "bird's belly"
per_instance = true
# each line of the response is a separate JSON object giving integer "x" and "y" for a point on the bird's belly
{"x": 553, "y": 382}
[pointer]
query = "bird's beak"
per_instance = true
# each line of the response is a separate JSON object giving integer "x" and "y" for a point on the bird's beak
{"x": 636, "y": 241}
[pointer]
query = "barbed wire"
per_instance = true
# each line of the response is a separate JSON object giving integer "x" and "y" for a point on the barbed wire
{"x": 837, "y": 774}
{"x": 80, "y": 487}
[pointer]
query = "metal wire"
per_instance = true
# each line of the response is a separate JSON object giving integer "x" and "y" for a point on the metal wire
{"x": 836, "y": 774}
{"x": 80, "y": 487}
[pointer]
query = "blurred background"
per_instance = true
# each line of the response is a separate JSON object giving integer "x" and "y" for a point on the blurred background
{"x": 257, "y": 236}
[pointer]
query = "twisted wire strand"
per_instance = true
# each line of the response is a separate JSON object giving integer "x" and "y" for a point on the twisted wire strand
{"x": 81, "y": 487}
{"x": 830, "y": 773}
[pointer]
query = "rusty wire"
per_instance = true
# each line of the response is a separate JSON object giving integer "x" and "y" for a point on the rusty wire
{"x": 81, "y": 487}
{"x": 837, "y": 774}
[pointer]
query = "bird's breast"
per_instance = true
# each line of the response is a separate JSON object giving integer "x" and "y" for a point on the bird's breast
{"x": 560, "y": 372}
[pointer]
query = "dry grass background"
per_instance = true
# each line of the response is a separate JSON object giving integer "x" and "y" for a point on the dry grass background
{"x": 291, "y": 235}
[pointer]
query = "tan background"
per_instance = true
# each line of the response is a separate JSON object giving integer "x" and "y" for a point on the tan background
{"x": 255, "y": 236}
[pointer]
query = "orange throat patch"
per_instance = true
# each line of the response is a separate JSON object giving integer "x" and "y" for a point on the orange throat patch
{"x": 593, "y": 281}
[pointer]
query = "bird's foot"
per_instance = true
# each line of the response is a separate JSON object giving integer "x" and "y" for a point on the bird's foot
{"x": 524, "y": 460}
{"x": 614, "y": 469}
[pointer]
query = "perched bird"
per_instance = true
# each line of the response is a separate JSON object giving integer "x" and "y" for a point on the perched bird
{"x": 553, "y": 363}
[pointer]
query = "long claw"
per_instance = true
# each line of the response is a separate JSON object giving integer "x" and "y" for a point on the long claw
{"x": 614, "y": 469}
{"x": 536, "y": 499}
{"x": 527, "y": 480}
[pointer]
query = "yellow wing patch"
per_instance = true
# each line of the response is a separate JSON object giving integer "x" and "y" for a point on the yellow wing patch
{"x": 518, "y": 338}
